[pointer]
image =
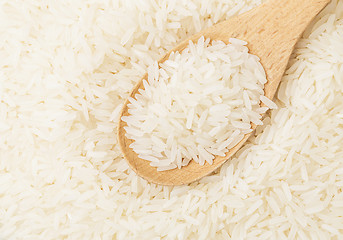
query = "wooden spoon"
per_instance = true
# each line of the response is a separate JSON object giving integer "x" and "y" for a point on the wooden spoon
{"x": 271, "y": 30}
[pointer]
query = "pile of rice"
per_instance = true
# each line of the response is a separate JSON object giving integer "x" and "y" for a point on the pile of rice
{"x": 66, "y": 68}
{"x": 196, "y": 105}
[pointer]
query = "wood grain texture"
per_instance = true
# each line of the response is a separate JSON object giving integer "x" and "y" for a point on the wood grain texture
{"x": 271, "y": 31}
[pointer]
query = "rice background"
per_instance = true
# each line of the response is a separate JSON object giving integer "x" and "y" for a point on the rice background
{"x": 65, "y": 69}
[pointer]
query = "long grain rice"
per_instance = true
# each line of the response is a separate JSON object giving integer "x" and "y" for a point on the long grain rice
{"x": 63, "y": 76}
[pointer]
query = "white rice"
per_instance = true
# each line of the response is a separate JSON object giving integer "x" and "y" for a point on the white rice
{"x": 206, "y": 77}
{"x": 63, "y": 76}
{"x": 269, "y": 103}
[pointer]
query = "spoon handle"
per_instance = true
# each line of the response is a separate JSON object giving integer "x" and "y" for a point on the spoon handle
{"x": 280, "y": 24}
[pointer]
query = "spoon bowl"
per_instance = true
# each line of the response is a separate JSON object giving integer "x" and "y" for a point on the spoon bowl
{"x": 271, "y": 30}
